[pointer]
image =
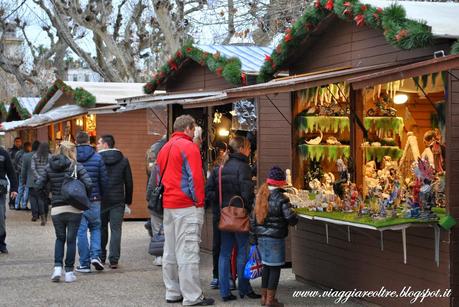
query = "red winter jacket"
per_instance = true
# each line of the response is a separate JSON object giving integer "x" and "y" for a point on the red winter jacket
{"x": 183, "y": 178}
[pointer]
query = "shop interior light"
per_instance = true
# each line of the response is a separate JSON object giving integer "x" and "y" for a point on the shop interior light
{"x": 400, "y": 98}
{"x": 223, "y": 132}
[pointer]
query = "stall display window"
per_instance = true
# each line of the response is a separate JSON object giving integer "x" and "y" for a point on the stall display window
{"x": 399, "y": 162}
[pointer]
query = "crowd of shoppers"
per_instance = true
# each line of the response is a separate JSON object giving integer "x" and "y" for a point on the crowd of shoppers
{"x": 41, "y": 176}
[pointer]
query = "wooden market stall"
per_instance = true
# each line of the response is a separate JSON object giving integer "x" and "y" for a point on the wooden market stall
{"x": 340, "y": 104}
{"x": 202, "y": 71}
{"x": 19, "y": 108}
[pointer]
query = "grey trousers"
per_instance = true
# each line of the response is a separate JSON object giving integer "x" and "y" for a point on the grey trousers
{"x": 114, "y": 216}
{"x": 182, "y": 230}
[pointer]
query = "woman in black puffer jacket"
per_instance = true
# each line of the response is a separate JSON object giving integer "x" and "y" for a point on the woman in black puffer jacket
{"x": 273, "y": 215}
{"x": 66, "y": 219}
{"x": 236, "y": 181}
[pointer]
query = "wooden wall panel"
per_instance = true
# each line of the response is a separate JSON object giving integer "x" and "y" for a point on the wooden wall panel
{"x": 274, "y": 135}
{"x": 194, "y": 77}
{"x": 131, "y": 138}
{"x": 42, "y": 134}
{"x": 343, "y": 44}
{"x": 452, "y": 179}
{"x": 360, "y": 264}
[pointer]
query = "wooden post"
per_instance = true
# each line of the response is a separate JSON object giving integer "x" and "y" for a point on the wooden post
{"x": 356, "y": 100}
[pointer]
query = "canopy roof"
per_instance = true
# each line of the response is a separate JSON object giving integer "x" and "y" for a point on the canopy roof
{"x": 54, "y": 115}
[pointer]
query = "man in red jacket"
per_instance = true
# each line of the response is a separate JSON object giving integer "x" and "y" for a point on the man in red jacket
{"x": 180, "y": 168}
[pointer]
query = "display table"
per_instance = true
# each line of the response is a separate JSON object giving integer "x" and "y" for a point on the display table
{"x": 396, "y": 226}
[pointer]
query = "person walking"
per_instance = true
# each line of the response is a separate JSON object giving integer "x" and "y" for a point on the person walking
{"x": 90, "y": 252}
{"x": 6, "y": 170}
{"x": 66, "y": 218}
{"x": 23, "y": 190}
{"x": 236, "y": 180}
{"x": 156, "y": 219}
{"x": 180, "y": 167}
{"x": 17, "y": 146}
{"x": 28, "y": 179}
{"x": 120, "y": 186}
{"x": 273, "y": 215}
{"x": 39, "y": 197}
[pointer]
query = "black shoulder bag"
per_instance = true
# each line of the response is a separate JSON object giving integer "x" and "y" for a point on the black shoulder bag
{"x": 73, "y": 191}
{"x": 155, "y": 203}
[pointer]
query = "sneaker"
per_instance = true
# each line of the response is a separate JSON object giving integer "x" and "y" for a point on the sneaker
{"x": 174, "y": 301}
{"x": 214, "y": 283}
{"x": 158, "y": 261}
{"x": 83, "y": 269}
{"x": 204, "y": 301}
{"x": 70, "y": 277}
{"x": 56, "y": 277}
{"x": 97, "y": 264}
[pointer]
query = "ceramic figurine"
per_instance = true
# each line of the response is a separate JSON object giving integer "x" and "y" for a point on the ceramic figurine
{"x": 317, "y": 140}
{"x": 331, "y": 140}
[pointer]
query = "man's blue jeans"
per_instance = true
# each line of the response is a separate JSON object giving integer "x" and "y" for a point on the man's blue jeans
{"x": 228, "y": 239}
{"x": 91, "y": 221}
{"x": 23, "y": 195}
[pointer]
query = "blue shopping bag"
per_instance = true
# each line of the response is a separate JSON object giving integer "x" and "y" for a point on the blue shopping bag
{"x": 253, "y": 268}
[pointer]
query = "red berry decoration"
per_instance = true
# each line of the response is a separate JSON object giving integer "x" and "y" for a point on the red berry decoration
{"x": 359, "y": 20}
{"x": 317, "y": 4}
{"x": 329, "y": 5}
{"x": 219, "y": 71}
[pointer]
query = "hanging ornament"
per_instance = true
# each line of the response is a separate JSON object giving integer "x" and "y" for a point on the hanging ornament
{"x": 329, "y": 5}
{"x": 401, "y": 34}
{"x": 219, "y": 71}
{"x": 172, "y": 65}
{"x": 359, "y": 20}
{"x": 348, "y": 10}
{"x": 363, "y": 8}
{"x": 244, "y": 79}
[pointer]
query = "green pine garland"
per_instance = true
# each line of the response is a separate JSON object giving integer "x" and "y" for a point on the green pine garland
{"x": 399, "y": 31}
{"x": 2, "y": 111}
{"x": 23, "y": 113}
{"x": 83, "y": 98}
{"x": 228, "y": 68}
{"x": 57, "y": 85}
{"x": 455, "y": 48}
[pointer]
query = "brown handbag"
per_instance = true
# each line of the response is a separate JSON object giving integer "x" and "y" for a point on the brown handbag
{"x": 232, "y": 219}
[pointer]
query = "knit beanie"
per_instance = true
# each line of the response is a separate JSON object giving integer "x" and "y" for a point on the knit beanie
{"x": 276, "y": 177}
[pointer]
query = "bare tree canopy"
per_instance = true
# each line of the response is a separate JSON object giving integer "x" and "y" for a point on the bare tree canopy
{"x": 122, "y": 40}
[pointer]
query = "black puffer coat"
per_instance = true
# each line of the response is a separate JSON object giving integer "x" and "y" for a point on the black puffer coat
{"x": 236, "y": 180}
{"x": 120, "y": 186}
{"x": 280, "y": 216}
{"x": 58, "y": 168}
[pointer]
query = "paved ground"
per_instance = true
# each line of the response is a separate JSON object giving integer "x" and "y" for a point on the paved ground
{"x": 25, "y": 274}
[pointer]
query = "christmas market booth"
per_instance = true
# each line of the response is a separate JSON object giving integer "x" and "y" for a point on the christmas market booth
{"x": 18, "y": 109}
{"x": 371, "y": 107}
{"x": 199, "y": 71}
